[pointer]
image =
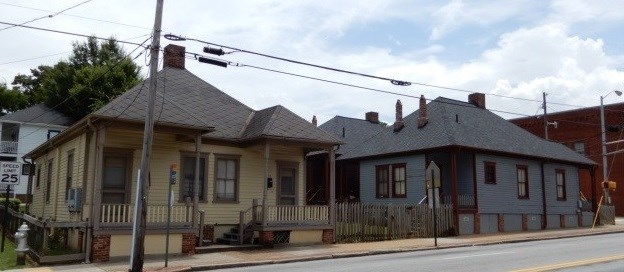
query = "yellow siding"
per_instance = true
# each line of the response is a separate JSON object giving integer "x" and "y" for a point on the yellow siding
{"x": 120, "y": 245}
{"x": 56, "y": 209}
{"x": 165, "y": 151}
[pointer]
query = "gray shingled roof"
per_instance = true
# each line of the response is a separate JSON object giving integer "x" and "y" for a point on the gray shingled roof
{"x": 355, "y": 131}
{"x": 456, "y": 123}
{"x": 39, "y": 114}
{"x": 191, "y": 102}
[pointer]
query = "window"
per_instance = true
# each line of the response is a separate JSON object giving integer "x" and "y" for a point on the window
{"x": 26, "y": 169}
{"x": 579, "y": 147}
{"x": 187, "y": 189}
{"x": 226, "y": 179}
{"x": 399, "y": 180}
{"x": 48, "y": 182}
{"x": 561, "y": 184}
{"x": 523, "y": 181}
{"x": 489, "y": 172}
{"x": 70, "y": 171}
{"x": 52, "y": 133}
{"x": 381, "y": 182}
{"x": 38, "y": 180}
{"x": 116, "y": 176}
{"x": 391, "y": 180}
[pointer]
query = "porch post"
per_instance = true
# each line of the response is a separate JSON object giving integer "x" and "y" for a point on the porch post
{"x": 454, "y": 190}
{"x": 97, "y": 177}
{"x": 196, "y": 179}
{"x": 264, "y": 183}
{"x": 332, "y": 191}
{"x": 592, "y": 174}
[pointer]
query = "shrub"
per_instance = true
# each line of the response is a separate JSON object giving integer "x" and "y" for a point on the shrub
{"x": 14, "y": 203}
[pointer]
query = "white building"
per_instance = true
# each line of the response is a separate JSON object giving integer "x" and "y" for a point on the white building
{"x": 22, "y": 131}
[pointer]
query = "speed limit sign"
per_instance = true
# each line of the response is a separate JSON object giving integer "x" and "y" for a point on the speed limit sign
{"x": 10, "y": 173}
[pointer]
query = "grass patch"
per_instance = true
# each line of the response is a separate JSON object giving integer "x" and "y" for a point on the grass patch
{"x": 8, "y": 257}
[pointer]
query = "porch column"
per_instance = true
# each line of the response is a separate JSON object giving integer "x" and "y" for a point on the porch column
{"x": 198, "y": 141}
{"x": 454, "y": 195}
{"x": 96, "y": 198}
{"x": 332, "y": 191}
{"x": 264, "y": 183}
{"x": 592, "y": 174}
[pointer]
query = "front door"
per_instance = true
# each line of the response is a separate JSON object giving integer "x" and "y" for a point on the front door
{"x": 287, "y": 186}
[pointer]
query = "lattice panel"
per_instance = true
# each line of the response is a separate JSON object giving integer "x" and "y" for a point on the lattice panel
{"x": 281, "y": 237}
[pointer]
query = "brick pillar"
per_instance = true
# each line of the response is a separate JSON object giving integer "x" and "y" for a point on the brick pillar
{"x": 579, "y": 217}
{"x": 209, "y": 232}
{"x": 525, "y": 222}
{"x": 266, "y": 238}
{"x": 562, "y": 222}
{"x": 501, "y": 222}
{"x": 188, "y": 243}
{"x": 477, "y": 223}
{"x": 100, "y": 248}
{"x": 328, "y": 236}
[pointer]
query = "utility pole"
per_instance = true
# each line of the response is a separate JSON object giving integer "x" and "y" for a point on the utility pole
{"x": 545, "y": 116}
{"x": 136, "y": 261}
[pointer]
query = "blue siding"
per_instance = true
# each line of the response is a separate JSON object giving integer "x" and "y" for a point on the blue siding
{"x": 502, "y": 197}
{"x": 534, "y": 221}
{"x": 513, "y": 222}
{"x": 415, "y": 168}
{"x": 568, "y": 206}
{"x": 466, "y": 224}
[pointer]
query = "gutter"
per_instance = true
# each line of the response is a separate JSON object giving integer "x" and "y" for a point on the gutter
{"x": 89, "y": 226}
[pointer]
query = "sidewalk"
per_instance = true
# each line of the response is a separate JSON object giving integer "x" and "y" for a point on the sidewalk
{"x": 316, "y": 252}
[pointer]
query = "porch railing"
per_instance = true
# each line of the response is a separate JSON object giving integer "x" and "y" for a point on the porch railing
{"x": 121, "y": 214}
{"x": 8, "y": 147}
{"x": 297, "y": 215}
{"x": 463, "y": 201}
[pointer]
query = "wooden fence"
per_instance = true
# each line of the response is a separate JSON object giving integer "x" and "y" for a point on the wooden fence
{"x": 356, "y": 222}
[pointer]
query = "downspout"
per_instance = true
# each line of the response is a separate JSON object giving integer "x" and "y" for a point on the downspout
{"x": 544, "y": 214}
{"x": 89, "y": 236}
{"x": 30, "y": 180}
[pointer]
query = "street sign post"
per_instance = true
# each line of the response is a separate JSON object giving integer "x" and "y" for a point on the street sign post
{"x": 10, "y": 173}
{"x": 432, "y": 178}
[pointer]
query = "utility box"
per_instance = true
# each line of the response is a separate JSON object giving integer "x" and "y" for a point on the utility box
{"x": 74, "y": 199}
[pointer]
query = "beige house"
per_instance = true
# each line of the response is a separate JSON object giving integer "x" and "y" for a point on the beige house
{"x": 241, "y": 171}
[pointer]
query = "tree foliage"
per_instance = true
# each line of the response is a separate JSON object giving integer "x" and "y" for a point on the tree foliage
{"x": 95, "y": 73}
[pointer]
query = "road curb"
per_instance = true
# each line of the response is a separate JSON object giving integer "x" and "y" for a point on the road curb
{"x": 381, "y": 252}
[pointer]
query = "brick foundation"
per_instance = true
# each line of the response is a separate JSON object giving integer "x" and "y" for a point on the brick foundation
{"x": 525, "y": 222}
{"x": 266, "y": 238}
{"x": 188, "y": 243}
{"x": 501, "y": 222}
{"x": 477, "y": 223}
{"x": 579, "y": 217}
{"x": 562, "y": 222}
{"x": 328, "y": 236}
{"x": 100, "y": 248}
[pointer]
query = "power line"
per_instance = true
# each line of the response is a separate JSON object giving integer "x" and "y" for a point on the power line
{"x": 47, "y": 16}
{"x": 77, "y": 16}
{"x": 68, "y": 33}
{"x": 393, "y": 81}
{"x": 194, "y": 55}
{"x": 61, "y": 53}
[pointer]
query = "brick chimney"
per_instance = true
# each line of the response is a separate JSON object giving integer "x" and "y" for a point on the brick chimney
{"x": 174, "y": 56}
{"x": 398, "y": 120}
{"x": 314, "y": 122}
{"x": 372, "y": 117}
{"x": 477, "y": 99}
{"x": 422, "y": 112}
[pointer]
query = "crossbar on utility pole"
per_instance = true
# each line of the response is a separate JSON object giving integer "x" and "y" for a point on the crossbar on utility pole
{"x": 148, "y": 133}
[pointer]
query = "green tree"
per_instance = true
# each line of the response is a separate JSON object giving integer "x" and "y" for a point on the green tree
{"x": 95, "y": 73}
{"x": 11, "y": 100}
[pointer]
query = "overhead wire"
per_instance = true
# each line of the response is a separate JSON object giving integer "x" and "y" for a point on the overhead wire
{"x": 47, "y": 16}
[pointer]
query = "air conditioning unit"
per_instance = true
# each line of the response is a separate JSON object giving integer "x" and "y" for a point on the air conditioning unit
{"x": 74, "y": 199}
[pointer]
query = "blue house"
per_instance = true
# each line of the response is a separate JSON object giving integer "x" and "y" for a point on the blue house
{"x": 497, "y": 176}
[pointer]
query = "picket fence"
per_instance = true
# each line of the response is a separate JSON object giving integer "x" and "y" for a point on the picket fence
{"x": 356, "y": 222}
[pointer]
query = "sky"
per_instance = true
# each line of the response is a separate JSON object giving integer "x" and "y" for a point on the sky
{"x": 571, "y": 49}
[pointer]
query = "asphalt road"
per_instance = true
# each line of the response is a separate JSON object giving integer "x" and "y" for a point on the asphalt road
{"x": 589, "y": 253}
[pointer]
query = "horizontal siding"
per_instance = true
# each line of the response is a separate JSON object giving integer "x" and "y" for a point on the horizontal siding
{"x": 502, "y": 197}
{"x": 415, "y": 175}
